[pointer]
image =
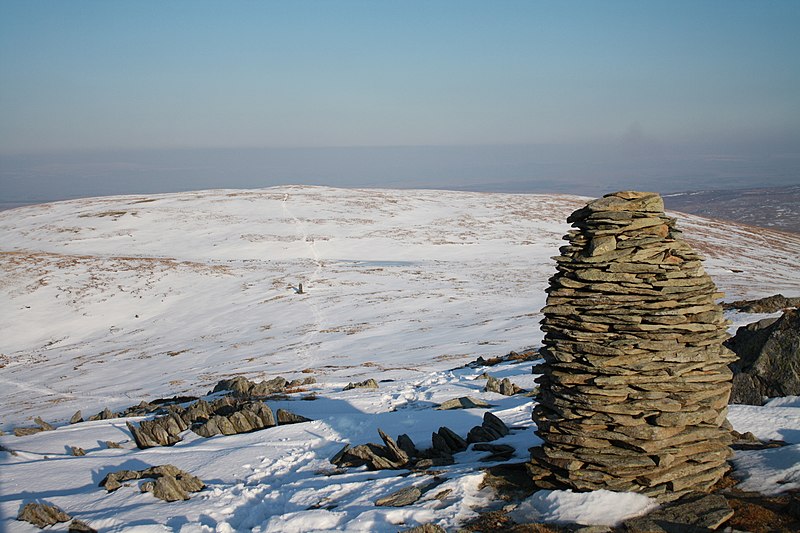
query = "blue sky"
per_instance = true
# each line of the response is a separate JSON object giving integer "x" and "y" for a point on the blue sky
{"x": 127, "y": 75}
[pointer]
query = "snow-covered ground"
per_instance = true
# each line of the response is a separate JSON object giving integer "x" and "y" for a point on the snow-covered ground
{"x": 110, "y": 301}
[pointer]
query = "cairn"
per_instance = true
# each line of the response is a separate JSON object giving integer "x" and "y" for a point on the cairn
{"x": 635, "y": 381}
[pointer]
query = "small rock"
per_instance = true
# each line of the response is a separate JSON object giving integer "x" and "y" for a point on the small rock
{"x": 400, "y": 498}
{"x": 504, "y": 387}
{"x": 453, "y": 440}
{"x": 42, "y": 515}
{"x": 112, "y": 444}
{"x": 396, "y": 454}
{"x": 79, "y": 526}
{"x": 171, "y": 483}
{"x": 407, "y": 445}
{"x": 337, "y": 458}
{"x": 76, "y": 418}
{"x": 7, "y": 450}
{"x": 366, "y": 384}
{"x": 464, "y": 402}
{"x": 492, "y": 422}
{"x": 480, "y": 434}
{"x": 499, "y": 452}
{"x": 42, "y": 424}
{"x": 24, "y": 432}
{"x": 286, "y": 417}
{"x": 168, "y": 488}
{"x": 77, "y": 451}
{"x": 105, "y": 414}
{"x": 114, "y": 480}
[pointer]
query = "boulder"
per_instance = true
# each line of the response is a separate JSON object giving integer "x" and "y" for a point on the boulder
{"x": 42, "y": 515}
{"x": 769, "y": 359}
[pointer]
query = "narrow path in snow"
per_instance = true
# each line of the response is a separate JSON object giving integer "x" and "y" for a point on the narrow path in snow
{"x": 307, "y": 340}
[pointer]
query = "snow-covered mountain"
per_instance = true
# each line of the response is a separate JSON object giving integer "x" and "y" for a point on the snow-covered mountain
{"x": 109, "y": 301}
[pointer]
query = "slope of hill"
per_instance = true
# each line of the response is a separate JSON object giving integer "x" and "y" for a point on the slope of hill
{"x": 109, "y": 301}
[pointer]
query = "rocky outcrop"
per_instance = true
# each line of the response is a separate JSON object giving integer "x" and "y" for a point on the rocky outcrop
{"x": 366, "y": 384}
{"x": 635, "y": 383}
{"x": 170, "y": 483}
{"x": 244, "y": 388}
{"x": 444, "y": 444}
{"x": 241, "y": 387}
{"x": 769, "y": 359}
{"x": 42, "y": 515}
{"x": 223, "y": 416}
{"x": 770, "y": 304}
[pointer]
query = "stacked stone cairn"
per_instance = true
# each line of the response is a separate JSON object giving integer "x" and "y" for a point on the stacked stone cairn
{"x": 635, "y": 381}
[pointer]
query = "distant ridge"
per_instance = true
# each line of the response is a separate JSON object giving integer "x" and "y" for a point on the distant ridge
{"x": 769, "y": 207}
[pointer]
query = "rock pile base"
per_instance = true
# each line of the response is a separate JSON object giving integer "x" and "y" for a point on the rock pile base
{"x": 635, "y": 384}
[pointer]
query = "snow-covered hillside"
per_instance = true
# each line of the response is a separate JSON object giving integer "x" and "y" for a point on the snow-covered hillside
{"x": 109, "y": 301}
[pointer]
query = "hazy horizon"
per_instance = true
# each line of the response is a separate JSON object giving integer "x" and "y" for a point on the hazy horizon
{"x": 576, "y": 169}
{"x": 141, "y": 96}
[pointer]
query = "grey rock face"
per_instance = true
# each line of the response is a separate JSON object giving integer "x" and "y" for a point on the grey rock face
{"x": 635, "y": 384}
{"x": 769, "y": 359}
{"x": 42, "y": 515}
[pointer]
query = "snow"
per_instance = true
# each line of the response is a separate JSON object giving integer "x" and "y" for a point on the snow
{"x": 600, "y": 507}
{"x": 110, "y": 301}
